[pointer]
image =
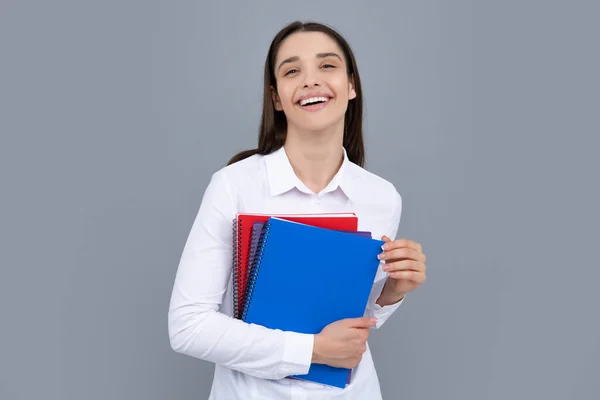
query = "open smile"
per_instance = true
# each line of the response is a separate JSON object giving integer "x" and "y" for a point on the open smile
{"x": 314, "y": 103}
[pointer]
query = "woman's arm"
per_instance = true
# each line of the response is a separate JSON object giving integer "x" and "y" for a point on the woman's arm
{"x": 197, "y": 328}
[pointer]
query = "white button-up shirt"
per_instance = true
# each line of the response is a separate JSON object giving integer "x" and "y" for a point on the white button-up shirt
{"x": 251, "y": 361}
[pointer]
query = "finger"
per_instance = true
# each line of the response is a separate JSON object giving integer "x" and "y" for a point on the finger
{"x": 402, "y": 253}
{"x": 400, "y": 243}
{"x": 404, "y": 265}
{"x": 413, "y": 276}
{"x": 363, "y": 322}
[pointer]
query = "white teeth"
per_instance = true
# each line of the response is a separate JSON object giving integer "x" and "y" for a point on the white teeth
{"x": 313, "y": 100}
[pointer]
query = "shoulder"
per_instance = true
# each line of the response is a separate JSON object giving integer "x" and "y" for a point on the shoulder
{"x": 241, "y": 170}
{"x": 368, "y": 183}
{"x": 377, "y": 200}
{"x": 238, "y": 178}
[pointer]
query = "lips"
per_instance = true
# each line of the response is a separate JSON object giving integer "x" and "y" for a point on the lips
{"x": 313, "y": 101}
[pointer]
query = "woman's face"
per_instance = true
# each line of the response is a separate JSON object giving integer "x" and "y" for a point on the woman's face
{"x": 313, "y": 88}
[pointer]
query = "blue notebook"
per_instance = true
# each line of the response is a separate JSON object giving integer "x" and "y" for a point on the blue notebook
{"x": 257, "y": 229}
{"x": 305, "y": 278}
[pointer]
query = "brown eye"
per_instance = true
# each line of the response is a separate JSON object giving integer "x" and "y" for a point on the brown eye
{"x": 328, "y": 66}
{"x": 290, "y": 71}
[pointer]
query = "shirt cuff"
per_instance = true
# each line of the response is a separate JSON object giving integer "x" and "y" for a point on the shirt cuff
{"x": 297, "y": 353}
{"x": 383, "y": 313}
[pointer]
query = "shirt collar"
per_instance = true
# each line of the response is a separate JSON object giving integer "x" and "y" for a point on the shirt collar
{"x": 282, "y": 178}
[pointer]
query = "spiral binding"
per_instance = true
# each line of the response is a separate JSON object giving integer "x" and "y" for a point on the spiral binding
{"x": 259, "y": 255}
{"x": 255, "y": 240}
{"x": 237, "y": 262}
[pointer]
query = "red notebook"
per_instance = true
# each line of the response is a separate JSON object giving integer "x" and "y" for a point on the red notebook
{"x": 242, "y": 235}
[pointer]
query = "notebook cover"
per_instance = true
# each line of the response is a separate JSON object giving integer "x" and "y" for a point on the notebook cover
{"x": 256, "y": 232}
{"x": 243, "y": 240}
{"x": 360, "y": 233}
{"x": 307, "y": 277}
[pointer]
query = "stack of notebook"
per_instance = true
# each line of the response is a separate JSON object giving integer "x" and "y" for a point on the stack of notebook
{"x": 302, "y": 272}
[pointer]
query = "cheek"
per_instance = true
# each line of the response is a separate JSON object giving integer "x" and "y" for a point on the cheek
{"x": 341, "y": 86}
{"x": 285, "y": 95}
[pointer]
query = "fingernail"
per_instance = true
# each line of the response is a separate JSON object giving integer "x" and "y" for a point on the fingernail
{"x": 381, "y": 256}
{"x": 385, "y": 268}
{"x": 384, "y": 246}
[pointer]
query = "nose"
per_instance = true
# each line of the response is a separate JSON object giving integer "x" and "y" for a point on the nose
{"x": 310, "y": 83}
{"x": 311, "y": 78}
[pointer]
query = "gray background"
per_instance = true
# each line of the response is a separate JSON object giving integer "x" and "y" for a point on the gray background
{"x": 483, "y": 114}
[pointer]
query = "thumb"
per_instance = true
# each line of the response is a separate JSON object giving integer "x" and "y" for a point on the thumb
{"x": 386, "y": 239}
{"x": 363, "y": 322}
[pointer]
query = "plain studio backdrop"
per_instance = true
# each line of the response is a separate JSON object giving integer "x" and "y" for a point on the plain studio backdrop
{"x": 114, "y": 115}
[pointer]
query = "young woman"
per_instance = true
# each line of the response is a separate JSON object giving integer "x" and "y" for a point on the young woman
{"x": 309, "y": 159}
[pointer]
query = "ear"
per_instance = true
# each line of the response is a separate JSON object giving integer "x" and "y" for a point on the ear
{"x": 276, "y": 100}
{"x": 351, "y": 91}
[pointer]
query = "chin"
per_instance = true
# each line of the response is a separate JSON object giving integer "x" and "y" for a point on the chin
{"x": 319, "y": 126}
{"x": 317, "y": 123}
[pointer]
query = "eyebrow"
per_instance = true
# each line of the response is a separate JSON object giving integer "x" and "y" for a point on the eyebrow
{"x": 296, "y": 58}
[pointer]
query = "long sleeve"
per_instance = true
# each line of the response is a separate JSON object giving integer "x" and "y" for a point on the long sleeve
{"x": 196, "y": 326}
{"x": 373, "y": 309}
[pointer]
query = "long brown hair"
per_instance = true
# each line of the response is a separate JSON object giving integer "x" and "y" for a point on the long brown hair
{"x": 273, "y": 124}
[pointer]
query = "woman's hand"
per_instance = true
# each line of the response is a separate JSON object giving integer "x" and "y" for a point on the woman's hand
{"x": 405, "y": 265}
{"x": 342, "y": 343}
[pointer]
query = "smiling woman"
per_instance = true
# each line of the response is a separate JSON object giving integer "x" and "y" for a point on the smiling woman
{"x": 304, "y": 61}
{"x": 309, "y": 159}
{"x": 313, "y": 76}
{"x": 312, "y": 81}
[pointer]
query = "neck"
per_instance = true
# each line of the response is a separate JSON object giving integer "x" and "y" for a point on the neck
{"x": 315, "y": 157}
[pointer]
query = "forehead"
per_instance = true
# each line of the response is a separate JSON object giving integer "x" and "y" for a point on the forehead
{"x": 306, "y": 45}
